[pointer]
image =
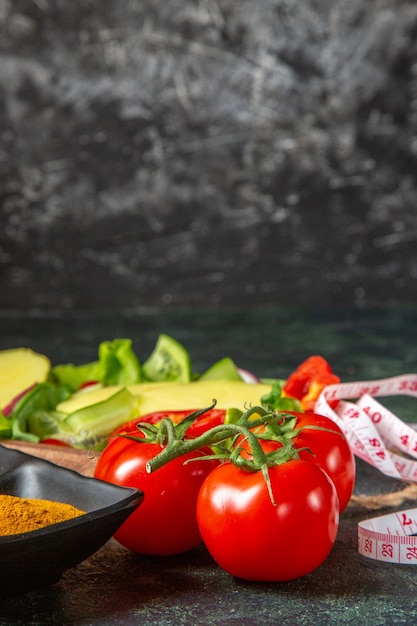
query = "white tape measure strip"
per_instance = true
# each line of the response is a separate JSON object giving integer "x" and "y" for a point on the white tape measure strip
{"x": 374, "y": 433}
{"x": 390, "y": 538}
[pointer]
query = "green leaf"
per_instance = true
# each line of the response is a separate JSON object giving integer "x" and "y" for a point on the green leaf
{"x": 117, "y": 364}
{"x": 276, "y": 402}
{"x": 44, "y": 397}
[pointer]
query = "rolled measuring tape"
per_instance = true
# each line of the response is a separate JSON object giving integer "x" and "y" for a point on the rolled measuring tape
{"x": 381, "y": 439}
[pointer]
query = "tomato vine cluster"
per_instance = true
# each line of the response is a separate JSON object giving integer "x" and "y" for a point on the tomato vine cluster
{"x": 263, "y": 489}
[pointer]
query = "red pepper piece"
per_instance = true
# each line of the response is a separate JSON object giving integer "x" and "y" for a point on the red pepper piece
{"x": 308, "y": 380}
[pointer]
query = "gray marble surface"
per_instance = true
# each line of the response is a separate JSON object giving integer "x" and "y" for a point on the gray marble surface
{"x": 210, "y": 152}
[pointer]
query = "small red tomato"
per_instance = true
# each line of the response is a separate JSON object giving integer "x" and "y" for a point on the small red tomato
{"x": 253, "y": 538}
{"x": 166, "y": 523}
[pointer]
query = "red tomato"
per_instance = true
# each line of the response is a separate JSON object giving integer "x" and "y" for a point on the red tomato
{"x": 252, "y": 538}
{"x": 165, "y": 524}
{"x": 209, "y": 419}
{"x": 329, "y": 450}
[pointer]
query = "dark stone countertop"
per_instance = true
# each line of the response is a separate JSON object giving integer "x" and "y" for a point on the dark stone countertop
{"x": 116, "y": 587}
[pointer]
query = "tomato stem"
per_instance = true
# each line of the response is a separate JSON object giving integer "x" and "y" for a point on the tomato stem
{"x": 258, "y": 460}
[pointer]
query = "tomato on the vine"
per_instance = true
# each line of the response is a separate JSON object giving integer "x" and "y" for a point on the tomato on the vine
{"x": 253, "y": 538}
{"x": 165, "y": 524}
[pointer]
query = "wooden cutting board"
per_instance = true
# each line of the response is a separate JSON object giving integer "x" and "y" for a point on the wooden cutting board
{"x": 81, "y": 461}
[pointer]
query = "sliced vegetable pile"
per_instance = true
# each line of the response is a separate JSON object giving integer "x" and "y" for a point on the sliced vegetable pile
{"x": 240, "y": 463}
{"x": 80, "y": 405}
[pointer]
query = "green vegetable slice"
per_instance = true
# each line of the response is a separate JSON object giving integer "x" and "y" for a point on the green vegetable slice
{"x": 169, "y": 361}
{"x": 43, "y": 424}
{"x": 92, "y": 424}
{"x": 5, "y": 427}
{"x": 42, "y": 398}
{"x": 225, "y": 369}
{"x": 117, "y": 364}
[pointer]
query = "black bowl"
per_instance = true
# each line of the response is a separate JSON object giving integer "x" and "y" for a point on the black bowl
{"x": 33, "y": 559}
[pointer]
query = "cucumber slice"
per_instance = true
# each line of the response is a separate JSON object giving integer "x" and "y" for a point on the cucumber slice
{"x": 169, "y": 361}
{"x": 225, "y": 369}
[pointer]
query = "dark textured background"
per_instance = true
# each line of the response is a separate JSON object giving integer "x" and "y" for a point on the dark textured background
{"x": 214, "y": 152}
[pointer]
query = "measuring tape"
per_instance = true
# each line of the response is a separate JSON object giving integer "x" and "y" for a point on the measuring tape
{"x": 379, "y": 437}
